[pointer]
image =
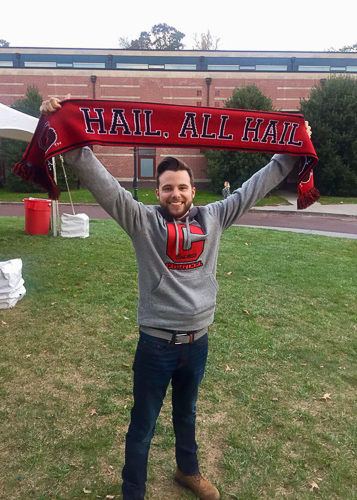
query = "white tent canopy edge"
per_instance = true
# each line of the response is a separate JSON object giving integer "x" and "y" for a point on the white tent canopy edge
{"x": 16, "y": 125}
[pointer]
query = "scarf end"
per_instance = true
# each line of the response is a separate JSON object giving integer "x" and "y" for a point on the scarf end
{"x": 30, "y": 173}
{"x": 307, "y": 193}
{"x": 307, "y": 199}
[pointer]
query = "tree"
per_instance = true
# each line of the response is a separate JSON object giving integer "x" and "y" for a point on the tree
{"x": 349, "y": 48}
{"x": 332, "y": 112}
{"x": 346, "y": 48}
{"x": 30, "y": 104}
{"x": 4, "y": 43}
{"x": 12, "y": 151}
{"x": 160, "y": 37}
{"x": 143, "y": 42}
{"x": 167, "y": 37}
{"x": 123, "y": 42}
{"x": 250, "y": 97}
{"x": 205, "y": 41}
{"x": 236, "y": 167}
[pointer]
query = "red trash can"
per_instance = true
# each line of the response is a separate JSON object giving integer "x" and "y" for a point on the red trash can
{"x": 37, "y": 216}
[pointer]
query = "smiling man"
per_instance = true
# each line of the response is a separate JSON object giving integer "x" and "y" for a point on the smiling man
{"x": 175, "y": 190}
{"x": 176, "y": 246}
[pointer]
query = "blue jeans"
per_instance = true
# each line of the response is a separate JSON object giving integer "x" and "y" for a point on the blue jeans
{"x": 156, "y": 363}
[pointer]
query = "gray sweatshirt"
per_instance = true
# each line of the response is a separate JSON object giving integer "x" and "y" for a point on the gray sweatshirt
{"x": 177, "y": 260}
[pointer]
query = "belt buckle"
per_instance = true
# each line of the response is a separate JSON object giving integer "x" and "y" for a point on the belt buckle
{"x": 176, "y": 342}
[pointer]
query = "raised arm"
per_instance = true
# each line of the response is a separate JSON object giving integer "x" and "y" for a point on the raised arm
{"x": 255, "y": 188}
{"x": 116, "y": 201}
{"x": 261, "y": 183}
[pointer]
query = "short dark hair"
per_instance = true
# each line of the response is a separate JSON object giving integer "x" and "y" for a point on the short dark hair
{"x": 174, "y": 164}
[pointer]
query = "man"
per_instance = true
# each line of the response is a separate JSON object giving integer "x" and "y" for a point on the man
{"x": 226, "y": 190}
{"x": 176, "y": 247}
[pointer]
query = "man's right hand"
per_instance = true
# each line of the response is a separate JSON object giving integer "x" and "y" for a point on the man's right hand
{"x": 51, "y": 105}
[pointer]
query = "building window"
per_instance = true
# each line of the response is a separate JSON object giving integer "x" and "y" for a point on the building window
{"x": 88, "y": 65}
{"x": 131, "y": 66}
{"x": 352, "y": 69}
{"x": 147, "y": 163}
{"x": 198, "y": 103}
{"x": 314, "y": 68}
{"x": 146, "y": 168}
{"x": 217, "y": 93}
{"x": 156, "y": 66}
{"x": 270, "y": 67}
{"x": 4, "y": 64}
{"x": 39, "y": 64}
{"x": 147, "y": 151}
{"x": 222, "y": 67}
{"x": 189, "y": 67}
{"x": 247, "y": 68}
{"x": 199, "y": 93}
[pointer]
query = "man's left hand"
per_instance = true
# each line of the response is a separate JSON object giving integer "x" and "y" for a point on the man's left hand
{"x": 308, "y": 128}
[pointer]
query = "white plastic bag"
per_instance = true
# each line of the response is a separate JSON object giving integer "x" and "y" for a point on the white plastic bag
{"x": 10, "y": 273}
{"x": 75, "y": 226}
{"x": 11, "y": 283}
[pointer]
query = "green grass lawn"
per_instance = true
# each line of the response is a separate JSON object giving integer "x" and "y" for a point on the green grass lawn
{"x": 277, "y": 408}
{"x": 146, "y": 196}
{"x": 328, "y": 200}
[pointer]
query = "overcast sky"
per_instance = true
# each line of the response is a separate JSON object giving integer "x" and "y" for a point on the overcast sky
{"x": 307, "y": 25}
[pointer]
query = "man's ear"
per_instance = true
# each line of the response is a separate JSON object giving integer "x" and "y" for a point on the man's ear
{"x": 157, "y": 193}
{"x": 193, "y": 192}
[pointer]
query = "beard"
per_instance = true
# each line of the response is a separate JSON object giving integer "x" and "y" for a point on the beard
{"x": 177, "y": 211}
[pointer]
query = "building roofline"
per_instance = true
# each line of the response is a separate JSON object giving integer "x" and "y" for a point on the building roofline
{"x": 181, "y": 51}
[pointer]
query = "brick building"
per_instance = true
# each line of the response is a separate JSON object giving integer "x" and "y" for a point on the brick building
{"x": 197, "y": 78}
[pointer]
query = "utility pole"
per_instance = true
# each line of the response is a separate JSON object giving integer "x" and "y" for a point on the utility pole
{"x": 135, "y": 180}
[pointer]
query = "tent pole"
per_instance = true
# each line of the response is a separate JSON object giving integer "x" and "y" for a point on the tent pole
{"x": 54, "y": 205}
{"x": 65, "y": 178}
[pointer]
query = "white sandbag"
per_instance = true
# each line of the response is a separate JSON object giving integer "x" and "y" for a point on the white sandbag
{"x": 11, "y": 302}
{"x": 75, "y": 226}
{"x": 10, "y": 273}
{"x": 15, "y": 293}
{"x": 7, "y": 290}
{"x": 11, "y": 283}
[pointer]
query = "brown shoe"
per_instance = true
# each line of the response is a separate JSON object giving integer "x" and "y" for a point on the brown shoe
{"x": 202, "y": 488}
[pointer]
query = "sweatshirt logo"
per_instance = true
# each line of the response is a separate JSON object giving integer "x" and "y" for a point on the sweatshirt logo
{"x": 184, "y": 249}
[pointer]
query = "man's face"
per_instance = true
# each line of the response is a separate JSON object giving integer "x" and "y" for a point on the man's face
{"x": 175, "y": 192}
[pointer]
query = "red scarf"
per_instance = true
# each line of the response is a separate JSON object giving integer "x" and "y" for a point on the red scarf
{"x": 81, "y": 122}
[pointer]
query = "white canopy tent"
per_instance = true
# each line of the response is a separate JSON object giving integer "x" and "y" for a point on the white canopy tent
{"x": 16, "y": 125}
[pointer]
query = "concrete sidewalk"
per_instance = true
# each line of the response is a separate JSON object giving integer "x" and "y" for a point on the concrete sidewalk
{"x": 344, "y": 209}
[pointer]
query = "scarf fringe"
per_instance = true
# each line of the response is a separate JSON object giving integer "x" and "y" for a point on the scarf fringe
{"x": 306, "y": 199}
{"x": 35, "y": 175}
